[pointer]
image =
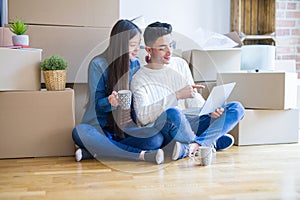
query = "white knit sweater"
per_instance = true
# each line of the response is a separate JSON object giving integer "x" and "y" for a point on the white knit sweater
{"x": 154, "y": 90}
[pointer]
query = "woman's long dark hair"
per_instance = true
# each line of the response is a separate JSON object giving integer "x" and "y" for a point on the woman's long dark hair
{"x": 118, "y": 63}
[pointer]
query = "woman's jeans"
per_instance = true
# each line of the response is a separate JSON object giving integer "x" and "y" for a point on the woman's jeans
{"x": 102, "y": 145}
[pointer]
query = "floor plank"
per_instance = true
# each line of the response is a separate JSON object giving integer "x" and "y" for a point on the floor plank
{"x": 248, "y": 172}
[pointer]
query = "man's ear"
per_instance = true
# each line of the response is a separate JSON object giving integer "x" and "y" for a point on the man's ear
{"x": 148, "y": 49}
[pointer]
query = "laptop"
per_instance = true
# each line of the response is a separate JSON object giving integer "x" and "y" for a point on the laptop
{"x": 216, "y": 99}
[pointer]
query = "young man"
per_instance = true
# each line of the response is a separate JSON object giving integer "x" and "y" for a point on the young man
{"x": 166, "y": 82}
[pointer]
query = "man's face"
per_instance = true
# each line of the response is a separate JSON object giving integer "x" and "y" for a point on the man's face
{"x": 161, "y": 50}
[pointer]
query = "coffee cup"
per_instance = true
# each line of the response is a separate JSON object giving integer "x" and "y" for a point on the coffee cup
{"x": 204, "y": 156}
{"x": 124, "y": 97}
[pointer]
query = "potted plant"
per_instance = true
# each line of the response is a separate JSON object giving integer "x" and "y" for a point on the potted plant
{"x": 19, "y": 28}
{"x": 54, "y": 72}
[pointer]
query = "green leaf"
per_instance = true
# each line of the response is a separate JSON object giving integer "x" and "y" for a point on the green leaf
{"x": 18, "y": 27}
{"x": 54, "y": 62}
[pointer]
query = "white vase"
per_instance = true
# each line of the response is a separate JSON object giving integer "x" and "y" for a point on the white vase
{"x": 22, "y": 40}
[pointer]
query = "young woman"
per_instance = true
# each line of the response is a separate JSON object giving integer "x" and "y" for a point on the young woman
{"x": 99, "y": 135}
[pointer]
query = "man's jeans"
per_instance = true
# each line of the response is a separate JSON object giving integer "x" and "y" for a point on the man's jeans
{"x": 201, "y": 129}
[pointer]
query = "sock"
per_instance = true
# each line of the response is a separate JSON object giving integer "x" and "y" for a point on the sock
{"x": 142, "y": 155}
{"x": 82, "y": 154}
{"x": 78, "y": 155}
{"x": 154, "y": 156}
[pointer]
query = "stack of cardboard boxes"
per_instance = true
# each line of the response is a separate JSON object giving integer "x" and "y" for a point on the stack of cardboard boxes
{"x": 33, "y": 122}
{"x": 270, "y": 99}
{"x": 74, "y": 29}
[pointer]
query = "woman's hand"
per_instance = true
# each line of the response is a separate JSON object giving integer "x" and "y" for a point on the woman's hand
{"x": 113, "y": 99}
{"x": 218, "y": 113}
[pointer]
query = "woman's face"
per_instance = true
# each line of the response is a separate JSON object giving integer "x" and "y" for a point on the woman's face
{"x": 134, "y": 46}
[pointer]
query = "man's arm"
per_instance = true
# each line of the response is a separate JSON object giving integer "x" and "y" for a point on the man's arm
{"x": 182, "y": 67}
{"x": 146, "y": 109}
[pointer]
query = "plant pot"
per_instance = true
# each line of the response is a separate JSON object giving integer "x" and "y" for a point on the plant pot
{"x": 20, "y": 40}
{"x": 55, "y": 80}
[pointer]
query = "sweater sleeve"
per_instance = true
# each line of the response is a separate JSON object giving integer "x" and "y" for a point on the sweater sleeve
{"x": 146, "y": 109}
{"x": 99, "y": 85}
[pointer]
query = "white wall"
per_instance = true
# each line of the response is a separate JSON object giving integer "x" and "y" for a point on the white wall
{"x": 185, "y": 16}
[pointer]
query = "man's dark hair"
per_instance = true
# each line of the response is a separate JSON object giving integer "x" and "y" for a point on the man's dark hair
{"x": 156, "y": 30}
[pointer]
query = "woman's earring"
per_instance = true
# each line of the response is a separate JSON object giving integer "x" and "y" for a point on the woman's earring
{"x": 148, "y": 58}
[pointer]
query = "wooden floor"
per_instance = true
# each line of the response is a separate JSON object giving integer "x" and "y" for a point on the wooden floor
{"x": 251, "y": 172}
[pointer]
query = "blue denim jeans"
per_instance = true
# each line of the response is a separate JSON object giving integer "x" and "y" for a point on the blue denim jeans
{"x": 208, "y": 130}
{"x": 100, "y": 144}
{"x": 201, "y": 129}
{"x": 174, "y": 125}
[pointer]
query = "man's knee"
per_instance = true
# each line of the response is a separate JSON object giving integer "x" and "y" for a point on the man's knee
{"x": 237, "y": 108}
{"x": 173, "y": 112}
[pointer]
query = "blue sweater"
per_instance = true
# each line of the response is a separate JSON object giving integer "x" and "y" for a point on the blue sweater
{"x": 98, "y": 83}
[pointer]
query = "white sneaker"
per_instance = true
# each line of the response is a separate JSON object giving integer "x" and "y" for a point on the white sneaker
{"x": 180, "y": 151}
{"x": 224, "y": 142}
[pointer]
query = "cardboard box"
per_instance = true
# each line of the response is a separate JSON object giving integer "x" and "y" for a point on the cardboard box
{"x": 81, "y": 100}
{"x": 262, "y": 90}
{"x": 78, "y": 45}
{"x": 267, "y": 127}
{"x": 205, "y": 64}
{"x": 5, "y": 37}
{"x": 19, "y": 69}
{"x": 208, "y": 87}
{"x": 36, "y": 123}
{"x": 93, "y": 13}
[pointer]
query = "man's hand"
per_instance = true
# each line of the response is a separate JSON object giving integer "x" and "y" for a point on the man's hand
{"x": 188, "y": 91}
{"x": 218, "y": 113}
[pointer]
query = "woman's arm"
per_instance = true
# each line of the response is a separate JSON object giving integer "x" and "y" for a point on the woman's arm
{"x": 98, "y": 84}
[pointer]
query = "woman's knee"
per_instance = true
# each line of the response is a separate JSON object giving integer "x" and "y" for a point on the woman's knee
{"x": 75, "y": 136}
{"x": 79, "y": 132}
{"x": 156, "y": 141}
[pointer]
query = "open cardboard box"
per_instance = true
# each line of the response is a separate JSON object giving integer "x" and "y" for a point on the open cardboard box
{"x": 205, "y": 64}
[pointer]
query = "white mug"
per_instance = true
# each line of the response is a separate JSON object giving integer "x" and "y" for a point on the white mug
{"x": 124, "y": 97}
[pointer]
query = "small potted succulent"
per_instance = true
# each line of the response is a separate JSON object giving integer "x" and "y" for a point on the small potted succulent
{"x": 54, "y": 72}
{"x": 19, "y": 29}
